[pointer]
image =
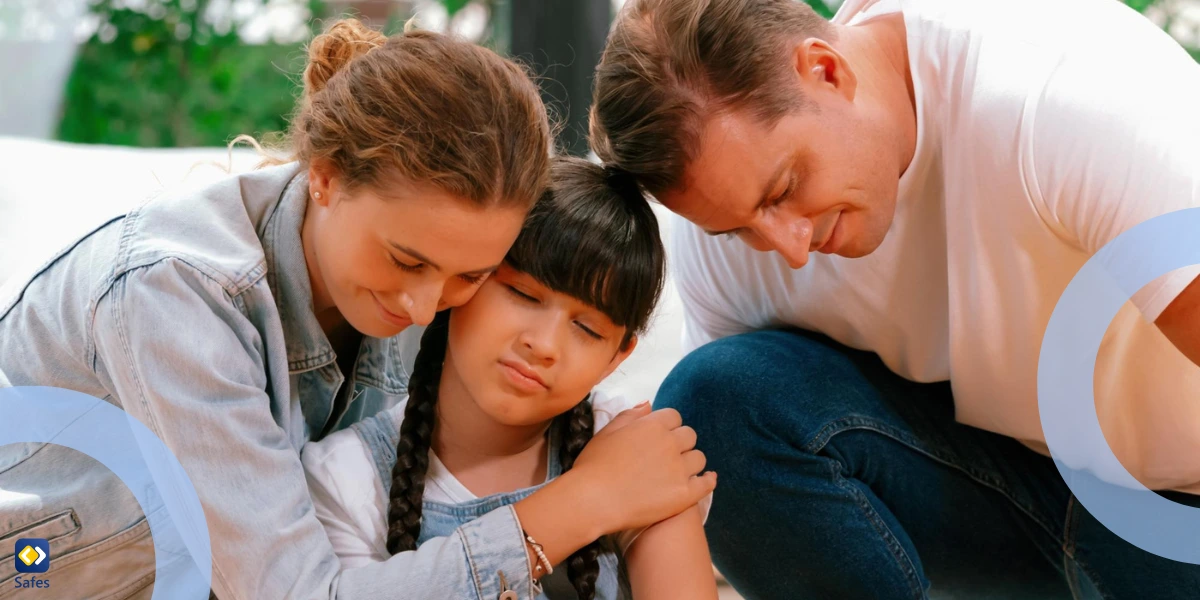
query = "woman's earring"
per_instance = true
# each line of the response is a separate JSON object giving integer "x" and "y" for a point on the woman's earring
{"x": 317, "y": 195}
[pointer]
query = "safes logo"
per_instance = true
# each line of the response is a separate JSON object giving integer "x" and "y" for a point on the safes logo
{"x": 33, "y": 555}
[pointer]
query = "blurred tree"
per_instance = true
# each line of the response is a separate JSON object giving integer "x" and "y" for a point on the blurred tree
{"x": 169, "y": 74}
{"x": 180, "y": 73}
{"x": 562, "y": 42}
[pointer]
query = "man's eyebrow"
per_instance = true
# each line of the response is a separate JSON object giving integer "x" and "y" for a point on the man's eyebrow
{"x": 766, "y": 194}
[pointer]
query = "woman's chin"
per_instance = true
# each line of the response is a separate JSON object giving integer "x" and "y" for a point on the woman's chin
{"x": 375, "y": 327}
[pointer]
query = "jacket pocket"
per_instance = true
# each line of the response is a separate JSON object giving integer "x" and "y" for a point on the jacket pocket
{"x": 50, "y": 528}
{"x": 115, "y": 568}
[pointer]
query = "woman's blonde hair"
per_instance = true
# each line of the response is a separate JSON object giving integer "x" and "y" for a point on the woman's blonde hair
{"x": 424, "y": 107}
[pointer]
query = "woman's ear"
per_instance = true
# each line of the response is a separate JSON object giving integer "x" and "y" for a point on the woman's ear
{"x": 620, "y": 357}
{"x": 322, "y": 179}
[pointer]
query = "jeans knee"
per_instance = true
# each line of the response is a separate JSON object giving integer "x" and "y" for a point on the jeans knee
{"x": 757, "y": 374}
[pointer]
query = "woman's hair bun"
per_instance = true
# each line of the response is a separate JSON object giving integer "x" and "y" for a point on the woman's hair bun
{"x": 329, "y": 52}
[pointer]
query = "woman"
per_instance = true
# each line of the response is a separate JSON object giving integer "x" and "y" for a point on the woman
{"x": 239, "y": 322}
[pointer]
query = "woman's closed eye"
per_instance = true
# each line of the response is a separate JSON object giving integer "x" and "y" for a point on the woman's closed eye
{"x": 405, "y": 266}
{"x": 473, "y": 279}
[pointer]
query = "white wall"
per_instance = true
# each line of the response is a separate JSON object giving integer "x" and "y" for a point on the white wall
{"x": 37, "y": 51}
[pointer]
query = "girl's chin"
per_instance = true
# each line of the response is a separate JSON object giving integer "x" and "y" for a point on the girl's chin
{"x": 510, "y": 412}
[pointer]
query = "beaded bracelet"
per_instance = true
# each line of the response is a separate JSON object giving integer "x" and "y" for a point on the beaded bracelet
{"x": 543, "y": 562}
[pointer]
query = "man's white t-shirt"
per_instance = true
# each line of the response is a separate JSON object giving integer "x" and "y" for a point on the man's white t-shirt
{"x": 1045, "y": 129}
{"x": 350, "y": 502}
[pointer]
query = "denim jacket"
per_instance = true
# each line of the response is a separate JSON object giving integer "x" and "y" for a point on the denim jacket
{"x": 380, "y": 435}
{"x": 194, "y": 314}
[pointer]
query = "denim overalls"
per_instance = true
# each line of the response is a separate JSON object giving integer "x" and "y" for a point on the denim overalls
{"x": 380, "y": 435}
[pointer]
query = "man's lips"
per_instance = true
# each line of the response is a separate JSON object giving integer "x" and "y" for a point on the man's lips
{"x": 828, "y": 235}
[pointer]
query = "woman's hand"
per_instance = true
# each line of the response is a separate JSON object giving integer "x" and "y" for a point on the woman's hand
{"x": 641, "y": 469}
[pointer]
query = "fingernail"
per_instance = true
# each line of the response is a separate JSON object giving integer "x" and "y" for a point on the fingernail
{"x": 644, "y": 403}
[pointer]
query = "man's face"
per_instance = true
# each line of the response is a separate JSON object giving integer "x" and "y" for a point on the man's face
{"x": 822, "y": 179}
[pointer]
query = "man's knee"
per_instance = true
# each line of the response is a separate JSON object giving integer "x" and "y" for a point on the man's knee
{"x": 775, "y": 384}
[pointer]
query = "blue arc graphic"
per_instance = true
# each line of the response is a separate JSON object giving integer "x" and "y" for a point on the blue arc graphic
{"x": 182, "y": 551}
{"x": 1066, "y": 398}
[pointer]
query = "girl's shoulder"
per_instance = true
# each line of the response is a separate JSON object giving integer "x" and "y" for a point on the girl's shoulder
{"x": 605, "y": 407}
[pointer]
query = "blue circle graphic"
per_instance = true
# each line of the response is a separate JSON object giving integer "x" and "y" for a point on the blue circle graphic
{"x": 1066, "y": 398}
{"x": 182, "y": 552}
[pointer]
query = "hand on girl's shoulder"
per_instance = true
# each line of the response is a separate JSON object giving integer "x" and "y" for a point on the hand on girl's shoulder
{"x": 605, "y": 408}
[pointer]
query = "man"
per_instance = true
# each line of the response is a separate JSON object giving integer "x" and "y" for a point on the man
{"x": 921, "y": 179}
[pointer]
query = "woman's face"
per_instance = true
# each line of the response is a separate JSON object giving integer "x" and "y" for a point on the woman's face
{"x": 526, "y": 354}
{"x": 388, "y": 258}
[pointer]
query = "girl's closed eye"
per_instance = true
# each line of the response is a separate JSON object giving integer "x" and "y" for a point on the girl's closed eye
{"x": 522, "y": 295}
{"x": 589, "y": 331}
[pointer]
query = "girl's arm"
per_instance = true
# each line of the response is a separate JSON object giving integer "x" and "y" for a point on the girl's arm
{"x": 670, "y": 560}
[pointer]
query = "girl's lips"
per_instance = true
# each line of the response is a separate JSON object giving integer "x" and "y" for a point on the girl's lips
{"x": 521, "y": 376}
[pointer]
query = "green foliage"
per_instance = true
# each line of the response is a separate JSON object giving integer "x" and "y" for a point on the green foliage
{"x": 453, "y": 6}
{"x": 1141, "y": 5}
{"x": 821, "y": 8}
{"x": 166, "y": 78}
{"x": 161, "y": 76}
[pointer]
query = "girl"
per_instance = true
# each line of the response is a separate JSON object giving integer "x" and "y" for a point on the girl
{"x": 500, "y": 419}
{"x": 244, "y": 320}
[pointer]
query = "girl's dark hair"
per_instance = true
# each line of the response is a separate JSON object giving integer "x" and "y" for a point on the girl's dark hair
{"x": 592, "y": 236}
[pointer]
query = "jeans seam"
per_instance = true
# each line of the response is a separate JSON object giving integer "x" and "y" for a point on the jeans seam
{"x": 1070, "y": 530}
{"x": 1068, "y": 550}
{"x": 901, "y": 558}
{"x": 844, "y": 424}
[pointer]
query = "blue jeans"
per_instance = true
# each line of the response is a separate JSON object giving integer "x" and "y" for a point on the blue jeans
{"x": 840, "y": 479}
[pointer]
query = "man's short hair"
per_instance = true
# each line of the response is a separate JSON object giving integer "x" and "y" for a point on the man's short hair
{"x": 671, "y": 64}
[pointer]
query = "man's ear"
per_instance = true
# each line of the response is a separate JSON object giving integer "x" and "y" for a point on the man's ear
{"x": 620, "y": 357}
{"x": 819, "y": 66}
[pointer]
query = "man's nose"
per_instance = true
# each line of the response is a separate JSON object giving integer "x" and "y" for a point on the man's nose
{"x": 790, "y": 239}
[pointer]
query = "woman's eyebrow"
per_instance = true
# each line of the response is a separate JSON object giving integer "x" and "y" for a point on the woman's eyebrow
{"x": 436, "y": 267}
{"x": 416, "y": 255}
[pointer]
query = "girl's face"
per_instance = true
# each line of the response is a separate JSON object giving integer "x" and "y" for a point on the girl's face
{"x": 386, "y": 259}
{"x": 527, "y": 354}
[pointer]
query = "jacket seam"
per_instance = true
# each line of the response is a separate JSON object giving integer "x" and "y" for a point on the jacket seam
{"x": 151, "y": 420}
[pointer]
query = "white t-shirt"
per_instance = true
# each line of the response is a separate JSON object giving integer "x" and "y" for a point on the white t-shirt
{"x": 1045, "y": 129}
{"x": 350, "y": 502}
